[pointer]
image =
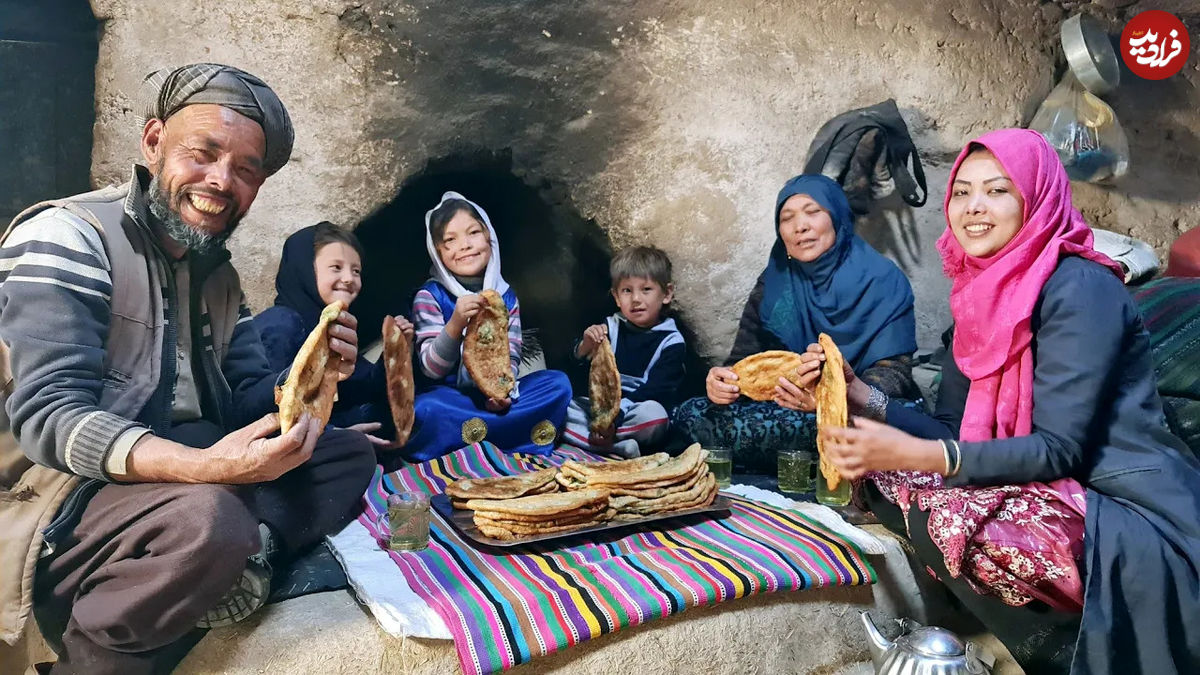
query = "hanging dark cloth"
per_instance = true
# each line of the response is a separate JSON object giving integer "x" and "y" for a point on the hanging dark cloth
{"x": 865, "y": 148}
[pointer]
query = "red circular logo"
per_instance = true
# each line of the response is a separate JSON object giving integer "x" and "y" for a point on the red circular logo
{"x": 1155, "y": 45}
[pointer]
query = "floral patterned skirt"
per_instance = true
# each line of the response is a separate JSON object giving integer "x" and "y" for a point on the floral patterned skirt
{"x": 1016, "y": 542}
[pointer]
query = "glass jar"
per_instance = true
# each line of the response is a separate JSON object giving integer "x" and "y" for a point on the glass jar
{"x": 797, "y": 469}
{"x": 405, "y": 524}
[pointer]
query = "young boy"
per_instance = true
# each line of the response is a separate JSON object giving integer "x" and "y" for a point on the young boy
{"x": 650, "y": 356}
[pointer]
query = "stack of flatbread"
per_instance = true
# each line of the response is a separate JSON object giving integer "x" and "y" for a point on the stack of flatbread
{"x": 648, "y": 485}
{"x": 501, "y": 487}
{"x": 515, "y": 507}
{"x": 520, "y": 517}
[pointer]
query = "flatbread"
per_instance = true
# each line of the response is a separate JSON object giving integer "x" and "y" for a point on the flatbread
{"x": 654, "y": 491}
{"x": 697, "y": 472}
{"x": 703, "y": 492}
{"x": 500, "y": 487}
{"x": 485, "y": 348}
{"x": 576, "y": 514}
{"x": 507, "y": 534}
{"x": 759, "y": 374}
{"x": 604, "y": 388}
{"x": 527, "y": 529}
{"x": 582, "y": 470}
{"x": 546, "y": 489}
{"x": 461, "y": 504}
{"x": 630, "y": 490}
{"x": 671, "y": 471}
{"x": 499, "y": 519}
{"x": 704, "y": 497}
{"x": 541, "y": 505}
{"x": 569, "y": 482}
{"x": 699, "y": 503}
{"x": 311, "y": 384}
{"x": 832, "y": 410}
{"x": 401, "y": 390}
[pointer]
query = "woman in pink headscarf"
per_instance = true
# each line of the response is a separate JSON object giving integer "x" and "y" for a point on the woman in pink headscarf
{"x": 1045, "y": 491}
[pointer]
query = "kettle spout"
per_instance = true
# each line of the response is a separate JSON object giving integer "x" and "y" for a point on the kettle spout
{"x": 876, "y": 643}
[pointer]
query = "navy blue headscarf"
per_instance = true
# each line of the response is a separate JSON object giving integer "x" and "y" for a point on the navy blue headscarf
{"x": 284, "y": 327}
{"x": 852, "y": 293}
{"x": 296, "y": 281}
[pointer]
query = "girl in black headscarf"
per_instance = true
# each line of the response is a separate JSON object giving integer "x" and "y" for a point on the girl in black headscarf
{"x": 322, "y": 263}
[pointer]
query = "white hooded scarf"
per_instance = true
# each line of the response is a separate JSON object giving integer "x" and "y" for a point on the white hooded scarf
{"x": 491, "y": 274}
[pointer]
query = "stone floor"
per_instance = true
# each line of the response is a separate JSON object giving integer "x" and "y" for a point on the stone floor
{"x": 330, "y": 633}
{"x": 807, "y": 632}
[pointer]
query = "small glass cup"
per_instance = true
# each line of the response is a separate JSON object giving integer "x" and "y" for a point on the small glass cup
{"x": 720, "y": 463}
{"x": 839, "y": 496}
{"x": 797, "y": 470}
{"x": 405, "y": 524}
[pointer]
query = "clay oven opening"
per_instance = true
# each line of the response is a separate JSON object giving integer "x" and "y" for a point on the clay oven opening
{"x": 555, "y": 259}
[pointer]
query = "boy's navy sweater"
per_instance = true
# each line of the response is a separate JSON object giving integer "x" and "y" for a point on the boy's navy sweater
{"x": 650, "y": 360}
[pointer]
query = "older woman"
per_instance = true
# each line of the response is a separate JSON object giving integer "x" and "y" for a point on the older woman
{"x": 820, "y": 278}
{"x": 1056, "y": 487}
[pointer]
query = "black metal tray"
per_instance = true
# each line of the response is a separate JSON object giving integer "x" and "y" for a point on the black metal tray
{"x": 461, "y": 520}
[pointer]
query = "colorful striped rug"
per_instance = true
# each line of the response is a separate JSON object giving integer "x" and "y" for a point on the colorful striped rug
{"x": 507, "y": 606}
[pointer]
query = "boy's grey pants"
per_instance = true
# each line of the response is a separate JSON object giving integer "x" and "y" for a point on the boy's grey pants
{"x": 642, "y": 424}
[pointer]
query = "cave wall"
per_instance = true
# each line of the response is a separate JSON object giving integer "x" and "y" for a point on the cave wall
{"x": 671, "y": 122}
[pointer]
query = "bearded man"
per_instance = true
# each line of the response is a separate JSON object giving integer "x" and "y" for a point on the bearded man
{"x": 143, "y": 492}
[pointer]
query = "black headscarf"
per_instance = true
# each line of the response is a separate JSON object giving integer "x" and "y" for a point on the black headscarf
{"x": 296, "y": 280}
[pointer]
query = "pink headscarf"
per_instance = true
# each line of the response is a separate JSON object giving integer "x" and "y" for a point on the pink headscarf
{"x": 992, "y": 299}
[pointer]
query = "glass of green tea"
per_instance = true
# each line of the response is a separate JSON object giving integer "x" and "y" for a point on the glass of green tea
{"x": 797, "y": 469}
{"x": 839, "y": 496}
{"x": 720, "y": 463}
{"x": 406, "y": 522}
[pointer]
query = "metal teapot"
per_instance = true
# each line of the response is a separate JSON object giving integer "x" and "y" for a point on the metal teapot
{"x": 924, "y": 650}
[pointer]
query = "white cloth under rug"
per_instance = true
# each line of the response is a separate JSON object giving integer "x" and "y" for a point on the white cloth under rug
{"x": 380, "y": 586}
{"x": 869, "y": 543}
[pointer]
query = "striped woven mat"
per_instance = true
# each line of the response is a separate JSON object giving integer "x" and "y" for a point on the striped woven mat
{"x": 507, "y": 606}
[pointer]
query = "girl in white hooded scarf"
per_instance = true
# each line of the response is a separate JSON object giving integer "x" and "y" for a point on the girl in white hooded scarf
{"x": 465, "y": 252}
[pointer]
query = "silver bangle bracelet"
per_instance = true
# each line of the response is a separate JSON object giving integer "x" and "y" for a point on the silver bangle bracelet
{"x": 876, "y": 406}
{"x": 953, "y": 456}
